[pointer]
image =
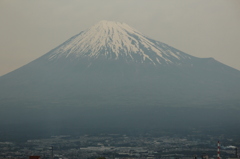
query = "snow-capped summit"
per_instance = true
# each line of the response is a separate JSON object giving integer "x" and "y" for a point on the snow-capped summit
{"x": 115, "y": 40}
{"x": 112, "y": 78}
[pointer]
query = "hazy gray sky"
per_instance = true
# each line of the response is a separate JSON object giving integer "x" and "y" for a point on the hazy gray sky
{"x": 202, "y": 28}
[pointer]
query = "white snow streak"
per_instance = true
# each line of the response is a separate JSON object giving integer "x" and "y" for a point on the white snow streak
{"x": 112, "y": 40}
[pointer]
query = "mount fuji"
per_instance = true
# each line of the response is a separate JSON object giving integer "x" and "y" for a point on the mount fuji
{"x": 111, "y": 68}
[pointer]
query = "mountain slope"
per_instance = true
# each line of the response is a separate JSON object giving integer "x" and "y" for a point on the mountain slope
{"x": 111, "y": 78}
{"x": 118, "y": 65}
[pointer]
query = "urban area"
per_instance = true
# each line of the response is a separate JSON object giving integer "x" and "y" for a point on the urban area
{"x": 118, "y": 146}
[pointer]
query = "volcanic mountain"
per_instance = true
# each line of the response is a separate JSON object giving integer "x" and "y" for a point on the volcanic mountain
{"x": 113, "y": 62}
{"x": 112, "y": 65}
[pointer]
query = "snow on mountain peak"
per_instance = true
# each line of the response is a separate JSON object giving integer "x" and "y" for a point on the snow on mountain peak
{"x": 115, "y": 40}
